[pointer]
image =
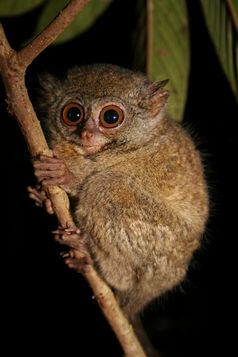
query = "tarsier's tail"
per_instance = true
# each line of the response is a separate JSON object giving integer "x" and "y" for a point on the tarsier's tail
{"x": 143, "y": 338}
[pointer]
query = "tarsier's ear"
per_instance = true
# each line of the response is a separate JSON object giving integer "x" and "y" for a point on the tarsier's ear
{"x": 155, "y": 96}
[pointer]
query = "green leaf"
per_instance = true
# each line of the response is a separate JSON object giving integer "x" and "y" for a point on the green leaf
{"x": 82, "y": 22}
{"x": 221, "y": 17}
{"x": 163, "y": 41}
{"x": 17, "y": 7}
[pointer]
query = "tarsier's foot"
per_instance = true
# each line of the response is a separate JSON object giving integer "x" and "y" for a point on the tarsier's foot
{"x": 75, "y": 239}
{"x": 39, "y": 197}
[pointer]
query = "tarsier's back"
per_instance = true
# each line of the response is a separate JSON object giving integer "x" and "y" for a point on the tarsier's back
{"x": 137, "y": 179}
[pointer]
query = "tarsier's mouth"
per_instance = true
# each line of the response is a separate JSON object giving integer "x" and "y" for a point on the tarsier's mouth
{"x": 90, "y": 146}
{"x": 92, "y": 149}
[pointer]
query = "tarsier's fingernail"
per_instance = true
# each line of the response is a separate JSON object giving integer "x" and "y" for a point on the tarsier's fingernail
{"x": 64, "y": 255}
{"x": 68, "y": 229}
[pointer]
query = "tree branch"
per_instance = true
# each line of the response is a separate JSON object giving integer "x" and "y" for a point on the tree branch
{"x": 5, "y": 49}
{"x": 13, "y": 66}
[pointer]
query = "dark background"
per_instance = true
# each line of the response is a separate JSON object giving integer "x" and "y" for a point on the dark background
{"x": 49, "y": 308}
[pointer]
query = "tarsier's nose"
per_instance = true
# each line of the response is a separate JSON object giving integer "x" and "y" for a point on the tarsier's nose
{"x": 86, "y": 135}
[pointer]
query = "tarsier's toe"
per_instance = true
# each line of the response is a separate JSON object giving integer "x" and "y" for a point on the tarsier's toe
{"x": 79, "y": 264}
{"x": 36, "y": 195}
{"x": 71, "y": 237}
{"x": 75, "y": 241}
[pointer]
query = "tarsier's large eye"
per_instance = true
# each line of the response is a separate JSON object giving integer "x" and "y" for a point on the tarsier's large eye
{"x": 111, "y": 116}
{"x": 72, "y": 114}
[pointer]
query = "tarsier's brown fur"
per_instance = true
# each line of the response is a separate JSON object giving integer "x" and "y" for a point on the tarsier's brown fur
{"x": 141, "y": 198}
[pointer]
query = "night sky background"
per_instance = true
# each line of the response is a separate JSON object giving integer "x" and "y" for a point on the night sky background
{"x": 49, "y": 308}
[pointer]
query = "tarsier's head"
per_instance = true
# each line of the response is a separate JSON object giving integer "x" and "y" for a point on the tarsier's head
{"x": 100, "y": 106}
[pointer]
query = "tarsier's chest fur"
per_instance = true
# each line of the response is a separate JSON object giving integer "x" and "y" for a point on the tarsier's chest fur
{"x": 141, "y": 198}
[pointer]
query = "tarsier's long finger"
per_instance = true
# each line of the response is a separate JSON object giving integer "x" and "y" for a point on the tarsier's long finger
{"x": 48, "y": 206}
{"x": 35, "y": 195}
{"x": 49, "y": 159}
{"x": 36, "y": 199}
{"x": 36, "y": 191}
{"x": 53, "y": 181}
{"x": 48, "y": 166}
{"x": 45, "y": 173}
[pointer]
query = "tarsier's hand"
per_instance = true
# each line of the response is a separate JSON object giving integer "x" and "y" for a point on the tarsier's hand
{"x": 40, "y": 198}
{"x": 53, "y": 171}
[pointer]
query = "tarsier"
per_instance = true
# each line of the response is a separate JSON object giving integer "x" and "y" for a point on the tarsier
{"x": 134, "y": 178}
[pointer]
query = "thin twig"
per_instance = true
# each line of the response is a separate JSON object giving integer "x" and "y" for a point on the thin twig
{"x": 51, "y": 32}
{"x": 13, "y": 66}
